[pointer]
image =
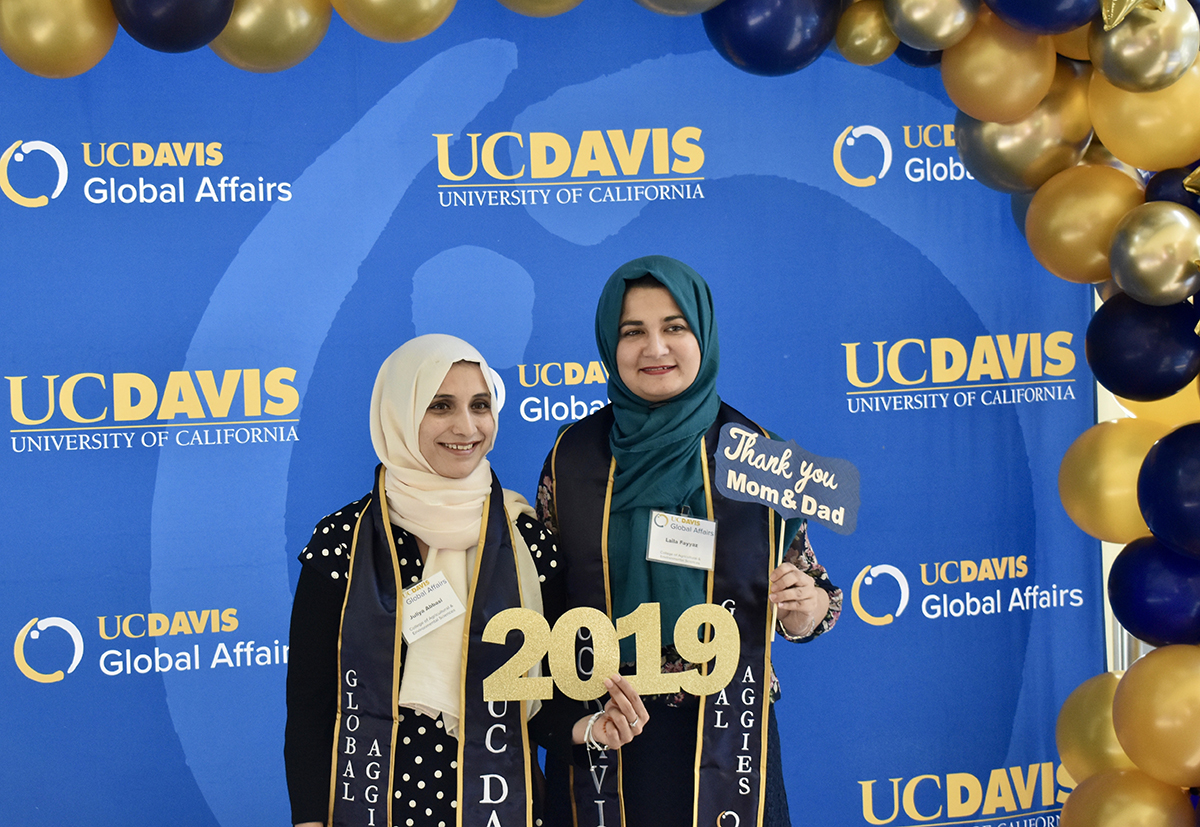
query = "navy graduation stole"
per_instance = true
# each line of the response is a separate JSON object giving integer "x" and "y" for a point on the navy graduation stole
{"x": 494, "y": 786}
{"x": 730, "y": 759}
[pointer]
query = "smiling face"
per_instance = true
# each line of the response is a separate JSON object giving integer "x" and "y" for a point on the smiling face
{"x": 458, "y": 425}
{"x": 658, "y": 356}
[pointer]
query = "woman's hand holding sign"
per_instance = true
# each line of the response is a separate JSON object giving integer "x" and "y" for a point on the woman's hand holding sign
{"x": 801, "y": 602}
{"x": 623, "y": 717}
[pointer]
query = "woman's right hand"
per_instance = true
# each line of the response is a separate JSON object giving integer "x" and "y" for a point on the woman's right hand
{"x": 623, "y": 719}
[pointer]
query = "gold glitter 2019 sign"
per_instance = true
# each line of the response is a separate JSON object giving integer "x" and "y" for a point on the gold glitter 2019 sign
{"x": 704, "y": 633}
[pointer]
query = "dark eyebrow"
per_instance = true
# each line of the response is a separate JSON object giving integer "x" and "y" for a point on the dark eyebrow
{"x": 629, "y": 322}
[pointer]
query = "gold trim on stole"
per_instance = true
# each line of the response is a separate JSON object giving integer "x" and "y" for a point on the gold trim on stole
{"x": 396, "y": 665}
{"x": 462, "y": 679}
{"x": 708, "y": 596}
{"x": 608, "y": 490}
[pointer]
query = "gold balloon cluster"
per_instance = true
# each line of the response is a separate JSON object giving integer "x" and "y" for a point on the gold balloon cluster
{"x": 65, "y": 38}
{"x": 1034, "y": 110}
{"x": 1129, "y": 741}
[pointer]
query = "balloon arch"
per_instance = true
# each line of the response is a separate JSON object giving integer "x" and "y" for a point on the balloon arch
{"x": 1087, "y": 112}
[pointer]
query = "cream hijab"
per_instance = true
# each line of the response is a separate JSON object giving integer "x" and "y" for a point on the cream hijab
{"x": 445, "y": 513}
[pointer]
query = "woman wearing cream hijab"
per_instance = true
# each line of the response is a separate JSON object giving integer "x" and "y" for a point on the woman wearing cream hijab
{"x": 386, "y": 719}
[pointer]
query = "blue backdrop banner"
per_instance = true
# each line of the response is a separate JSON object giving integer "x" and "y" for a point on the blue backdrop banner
{"x": 195, "y": 312}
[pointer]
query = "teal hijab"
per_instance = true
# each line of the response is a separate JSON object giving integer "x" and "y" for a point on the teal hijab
{"x": 657, "y": 447}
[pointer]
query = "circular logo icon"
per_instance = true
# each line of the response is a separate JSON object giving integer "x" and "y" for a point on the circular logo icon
{"x": 661, "y": 520}
{"x": 734, "y": 822}
{"x": 17, "y": 152}
{"x": 32, "y": 631}
{"x": 867, "y": 577}
{"x": 848, "y": 138}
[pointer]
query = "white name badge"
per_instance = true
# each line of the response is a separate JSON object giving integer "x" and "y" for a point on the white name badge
{"x": 681, "y": 541}
{"x": 428, "y": 605}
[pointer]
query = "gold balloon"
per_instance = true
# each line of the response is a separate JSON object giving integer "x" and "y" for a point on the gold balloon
{"x": 931, "y": 25}
{"x": 1097, "y": 480}
{"x": 550, "y": 8}
{"x": 998, "y": 73}
{"x": 863, "y": 36}
{"x": 1126, "y": 798}
{"x": 1154, "y": 255}
{"x": 1149, "y": 50}
{"x": 1087, "y": 742}
{"x": 1074, "y": 44}
{"x": 56, "y": 38}
{"x": 1180, "y": 409}
{"x": 1071, "y": 219}
{"x": 678, "y": 8}
{"x": 1150, "y": 130}
{"x": 1156, "y": 713}
{"x": 1021, "y": 156}
{"x": 394, "y": 21}
{"x": 272, "y": 35}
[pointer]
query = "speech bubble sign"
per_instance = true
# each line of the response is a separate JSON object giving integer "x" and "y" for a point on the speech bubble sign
{"x": 795, "y": 482}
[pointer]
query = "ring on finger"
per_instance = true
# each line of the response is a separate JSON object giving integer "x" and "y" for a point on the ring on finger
{"x": 634, "y": 722}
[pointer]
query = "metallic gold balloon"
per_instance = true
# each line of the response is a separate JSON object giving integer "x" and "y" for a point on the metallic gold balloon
{"x": 549, "y": 8}
{"x": 1150, "y": 130}
{"x": 272, "y": 35}
{"x": 1126, "y": 798}
{"x": 1150, "y": 50}
{"x": 56, "y": 38}
{"x": 1074, "y": 44}
{"x": 394, "y": 21}
{"x": 1022, "y": 156}
{"x": 1156, "y": 714}
{"x": 1097, "y": 480}
{"x": 1156, "y": 252}
{"x": 863, "y": 36}
{"x": 1180, "y": 409}
{"x": 1098, "y": 154}
{"x": 678, "y": 8}
{"x": 998, "y": 73}
{"x": 1105, "y": 290}
{"x": 931, "y": 25}
{"x": 1087, "y": 742}
{"x": 1071, "y": 219}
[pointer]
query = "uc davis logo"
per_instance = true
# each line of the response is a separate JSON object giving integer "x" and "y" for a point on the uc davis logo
{"x": 17, "y": 152}
{"x": 866, "y": 577}
{"x": 847, "y": 138}
{"x": 33, "y": 629}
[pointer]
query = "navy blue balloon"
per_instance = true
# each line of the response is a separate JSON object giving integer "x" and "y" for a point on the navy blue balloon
{"x": 771, "y": 37}
{"x": 1045, "y": 16}
{"x": 173, "y": 25}
{"x": 1142, "y": 352}
{"x": 1167, "y": 185}
{"x": 1155, "y": 593}
{"x": 919, "y": 57}
{"x": 1168, "y": 489}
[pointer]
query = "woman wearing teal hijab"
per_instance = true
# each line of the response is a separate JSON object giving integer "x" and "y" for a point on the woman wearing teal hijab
{"x": 651, "y": 452}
